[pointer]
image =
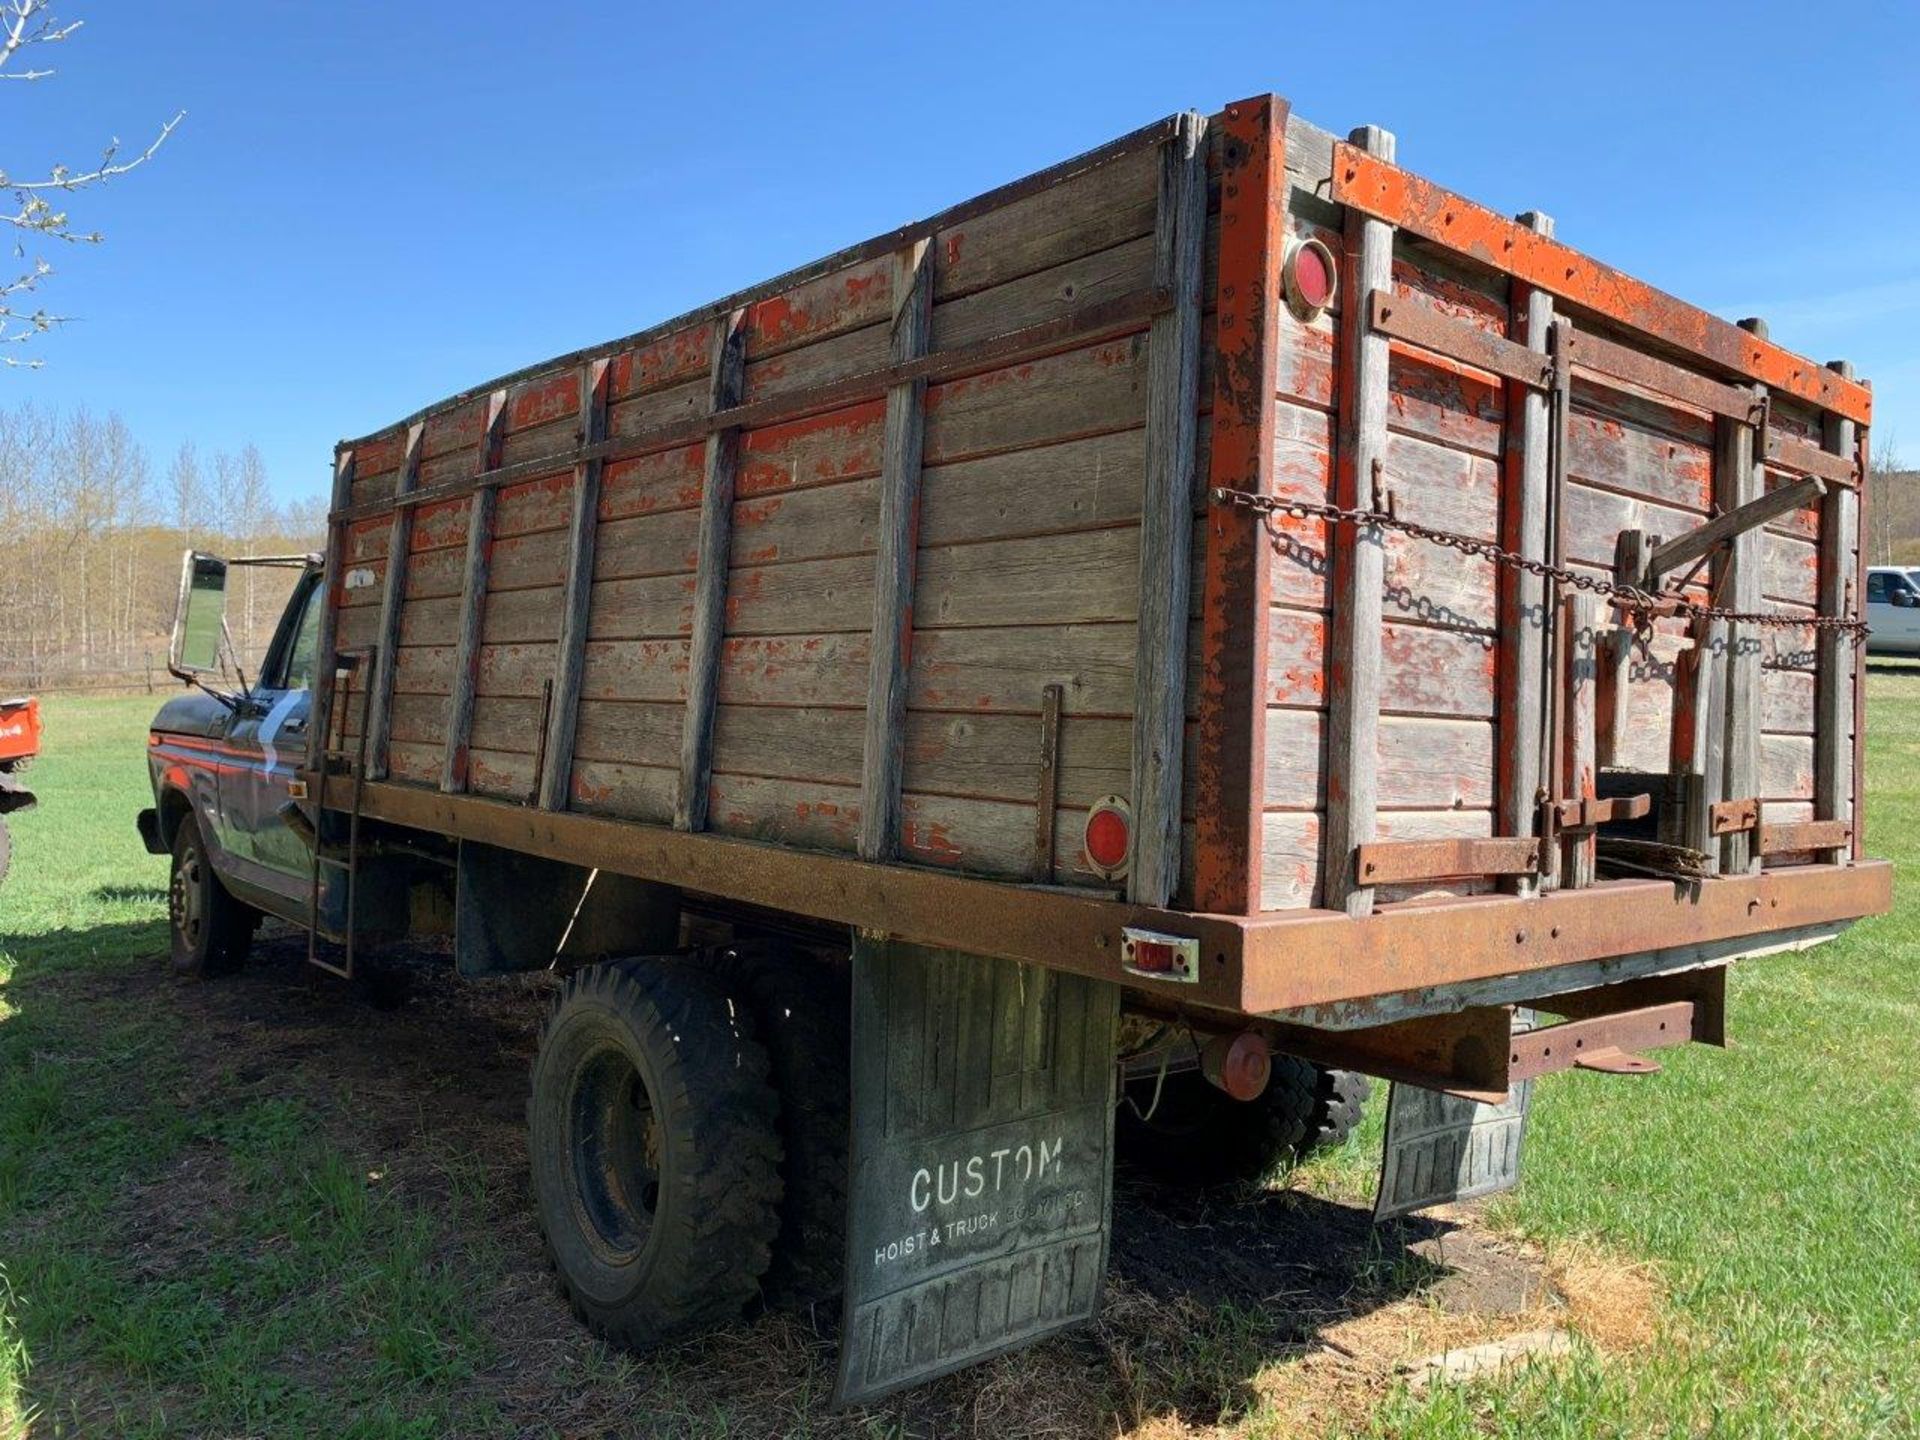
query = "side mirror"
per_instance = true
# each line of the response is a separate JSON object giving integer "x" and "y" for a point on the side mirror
{"x": 1904, "y": 599}
{"x": 200, "y": 621}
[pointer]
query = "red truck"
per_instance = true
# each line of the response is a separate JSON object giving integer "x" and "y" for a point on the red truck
{"x": 1104, "y": 667}
{"x": 19, "y": 744}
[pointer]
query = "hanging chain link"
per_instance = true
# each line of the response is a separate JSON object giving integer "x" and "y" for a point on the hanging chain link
{"x": 1643, "y": 605}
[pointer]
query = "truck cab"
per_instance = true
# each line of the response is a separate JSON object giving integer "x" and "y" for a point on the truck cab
{"x": 222, "y": 759}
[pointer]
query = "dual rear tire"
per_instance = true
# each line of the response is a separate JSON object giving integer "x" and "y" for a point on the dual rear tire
{"x": 1194, "y": 1133}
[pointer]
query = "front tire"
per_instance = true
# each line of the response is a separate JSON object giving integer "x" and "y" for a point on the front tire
{"x": 211, "y": 930}
{"x": 653, "y": 1136}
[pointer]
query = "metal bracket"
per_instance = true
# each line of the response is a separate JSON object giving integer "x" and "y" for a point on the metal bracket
{"x": 1393, "y": 862}
{"x": 1730, "y": 817}
{"x": 1590, "y": 814}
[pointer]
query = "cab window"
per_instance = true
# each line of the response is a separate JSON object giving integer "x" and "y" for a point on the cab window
{"x": 1877, "y": 587}
{"x": 296, "y": 673}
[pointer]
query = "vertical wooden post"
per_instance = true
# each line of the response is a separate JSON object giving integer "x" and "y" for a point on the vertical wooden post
{"x": 1166, "y": 517}
{"x": 473, "y": 602}
{"x": 1359, "y": 559}
{"x": 1740, "y": 475}
{"x": 1614, "y": 702}
{"x": 582, "y": 529}
{"x": 393, "y": 595}
{"x": 1230, "y": 786}
{"x": 1836, "y": 657}
{"x": 1699, "y": 737}
{"x": 1580, "y": 650}
{"x": 893, "y": 569}
{"x": 328, "y": 640}
{"x": 1523, "y": 529}
{"x": 727, "y": 384}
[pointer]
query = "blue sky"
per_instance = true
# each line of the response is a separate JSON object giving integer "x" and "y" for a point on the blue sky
{"x": 370, "y": 206}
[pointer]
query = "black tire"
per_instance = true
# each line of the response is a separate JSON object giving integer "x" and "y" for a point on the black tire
{"x": 1199, "y": 1135}
{"x": 211, "y": 930}
{"x": 653, "y": 1135}
{"x": 1339, "y": 1098}
{"x": 800, "y": 1008}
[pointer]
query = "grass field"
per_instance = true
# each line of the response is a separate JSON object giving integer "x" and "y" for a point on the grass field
{"x": 282, "y": 1206}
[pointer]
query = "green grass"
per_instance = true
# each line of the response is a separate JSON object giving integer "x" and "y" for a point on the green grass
{"x": 185, "y": 1250}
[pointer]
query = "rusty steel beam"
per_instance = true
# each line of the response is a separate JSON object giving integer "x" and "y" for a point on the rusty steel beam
{"x": 1610, "y": 361}
{"x": 1600, "y": 1043}
{"x": 1238, "y": 579}
{"x": 1395, "y": 862}
{"x": 1422, "y": 208}
{"x": 1785, "y": 839}
{"x": 1257, "y": 964}
{"x": 1730, "y": 817}
{"x": 1789, "y": 452}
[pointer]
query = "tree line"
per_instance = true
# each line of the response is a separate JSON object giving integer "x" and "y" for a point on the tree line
{"x": 91, "y": 536}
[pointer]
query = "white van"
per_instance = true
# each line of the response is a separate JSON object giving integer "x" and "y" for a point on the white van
{"x": 1893, "y": 610}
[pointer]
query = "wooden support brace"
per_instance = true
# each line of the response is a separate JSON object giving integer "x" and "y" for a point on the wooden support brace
{"x": 1523, "y": 529}
{"x": 1580, "y": 651}
{"x": 1740, "y": 480}
{"x": 1836, "y": 657}
{"x": 1749, "y": 516}
{"x": 473, "y": 605}
{"x": 327, "y": 646}
{"x": 1359, "y": 558}
{"x": 902, "y": 445}
{"x": 392, "y": 596}
{"x": 563, "y": 711}
{"x": 727, "y": 380}
{"x": 1166, "y": 517}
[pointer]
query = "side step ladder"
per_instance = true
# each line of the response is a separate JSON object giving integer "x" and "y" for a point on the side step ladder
{"x": 333, "y": 754}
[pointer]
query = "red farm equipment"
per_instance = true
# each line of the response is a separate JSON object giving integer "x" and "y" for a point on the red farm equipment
{"x": 19, "y": 743}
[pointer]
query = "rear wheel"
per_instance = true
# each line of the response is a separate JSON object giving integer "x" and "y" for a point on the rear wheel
{"x": 212, "y": 931}
{"x": 800, "y": 1009}
{"x": 652, "y": 1131}
{"x": 1198, "y": 1134}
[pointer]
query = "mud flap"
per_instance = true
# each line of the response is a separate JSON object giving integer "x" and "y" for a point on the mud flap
{"x": 982, "y": 1160}
{"x": 1441, "y": 1148}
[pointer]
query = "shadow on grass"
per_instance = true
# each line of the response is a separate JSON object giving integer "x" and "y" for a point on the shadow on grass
{"x": 289, "y": 1167}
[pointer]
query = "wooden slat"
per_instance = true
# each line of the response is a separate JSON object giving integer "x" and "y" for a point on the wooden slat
{"x": 319, "y": 728}
{"x": 1420, "y": 324}
{"x": 1789, "y": 452}
{"x": 1836, "y": 655}
{"x": 1523, "y": 529}
{"x": 1166, "y": 518}
{"x": 392, "y": 595}
{"x": 582, "y": 551}
{"x": 1580, "y": 772}
{"x": 473, "y": 603}
{"x": 1740, "y": 478}
{"x": 1353, "y": 661}
{"x": 1229, "y": 825}
{"x": 726, "y": 377}
{"x": 1373, "y": 185}
{"x": 902, "y": 451}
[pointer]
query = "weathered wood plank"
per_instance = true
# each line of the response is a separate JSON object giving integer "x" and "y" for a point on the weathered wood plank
{"x": 1579, "y": 769}
{"x": 1837, "y": 657}
{"x": 582, "y": 552}
{"x": 473, "y": 607}
{"x": 1740, "y": 478}
{"x": 1165, "y": 538}
{"x": 392, "y": 594}
{"x": 1353, "y": 661}
{"x": 710, "y": 588}
{"x": 903, "y": 453}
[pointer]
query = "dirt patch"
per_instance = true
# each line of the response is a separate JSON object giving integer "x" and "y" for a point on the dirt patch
{"x": 1219, "y": 1304}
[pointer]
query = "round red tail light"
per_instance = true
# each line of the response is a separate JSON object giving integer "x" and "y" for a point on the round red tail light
{"x": 1312, "y": 278}
{"x": 1109, "y": 836}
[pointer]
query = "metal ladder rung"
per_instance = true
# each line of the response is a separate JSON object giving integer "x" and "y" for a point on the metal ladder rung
{"x": 344, "y": 667}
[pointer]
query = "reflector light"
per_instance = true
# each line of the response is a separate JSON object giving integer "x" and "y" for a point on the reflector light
{"x": 1311, "y": 278}
{"x": 1160, "y": 957}
{"x": 1108, "y": 837}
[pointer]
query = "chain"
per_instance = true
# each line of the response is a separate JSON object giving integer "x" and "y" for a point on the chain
{"x": 1643, "y": 604}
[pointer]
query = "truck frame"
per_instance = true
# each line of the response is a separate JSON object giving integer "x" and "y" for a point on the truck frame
{"x": 1213, "y": 616}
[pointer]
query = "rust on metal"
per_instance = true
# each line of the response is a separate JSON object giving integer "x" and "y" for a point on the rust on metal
{"x": 1786, "y": 839}
{"x": 1231, "y": 743}
{"x": 1047, "y": 796}
{"x": 1417, "y": 324}
{"x": 1605, "y": 1042}
{"x": 1588, "y": 812}
{"x": 1729, "y": 817}
{"x": 1609, "y": 361}
{"x": 1394, "y": 862}
{"x": 1789, "y": 452}
{"x": 1425, "y": 209}
{"x": 1258, "y": 964}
